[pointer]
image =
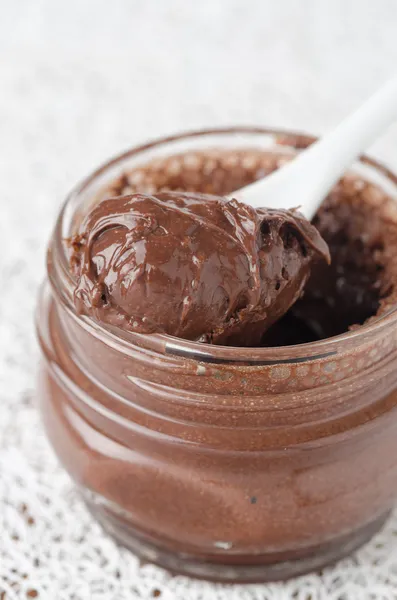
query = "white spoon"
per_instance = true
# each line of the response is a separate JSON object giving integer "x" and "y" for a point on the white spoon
{"x": 306, "y": 180}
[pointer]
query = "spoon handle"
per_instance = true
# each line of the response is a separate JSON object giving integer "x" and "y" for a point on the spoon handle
{"x": 307, "y": 179}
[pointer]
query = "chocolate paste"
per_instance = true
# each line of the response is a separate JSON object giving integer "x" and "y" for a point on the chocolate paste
{"x": 357, "y": 220}
{"x": 195, "y": 266}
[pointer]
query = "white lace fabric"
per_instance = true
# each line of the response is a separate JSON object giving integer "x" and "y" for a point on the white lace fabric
{"x": 79, "y": 82}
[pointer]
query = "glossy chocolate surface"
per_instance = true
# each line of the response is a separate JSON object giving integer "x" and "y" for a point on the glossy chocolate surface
{"x": 194, "y": 266}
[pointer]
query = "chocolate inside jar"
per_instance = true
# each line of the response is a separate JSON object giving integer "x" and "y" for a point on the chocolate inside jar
{"x": 358, "y": 220}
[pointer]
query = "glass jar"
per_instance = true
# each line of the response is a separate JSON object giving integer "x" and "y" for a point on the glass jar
{"x": 234, "y": 464}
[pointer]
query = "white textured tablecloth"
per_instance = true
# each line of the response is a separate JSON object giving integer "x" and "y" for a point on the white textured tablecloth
{"x": 80, "y": 81}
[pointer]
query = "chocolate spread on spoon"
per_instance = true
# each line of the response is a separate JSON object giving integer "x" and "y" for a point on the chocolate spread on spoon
{"x": 195, "y": 266}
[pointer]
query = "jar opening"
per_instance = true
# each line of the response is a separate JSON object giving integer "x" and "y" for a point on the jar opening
{"x": 87, "y": 191}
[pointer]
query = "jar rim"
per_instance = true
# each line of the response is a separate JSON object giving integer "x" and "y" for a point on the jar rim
{"x": 61, "y": 279}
